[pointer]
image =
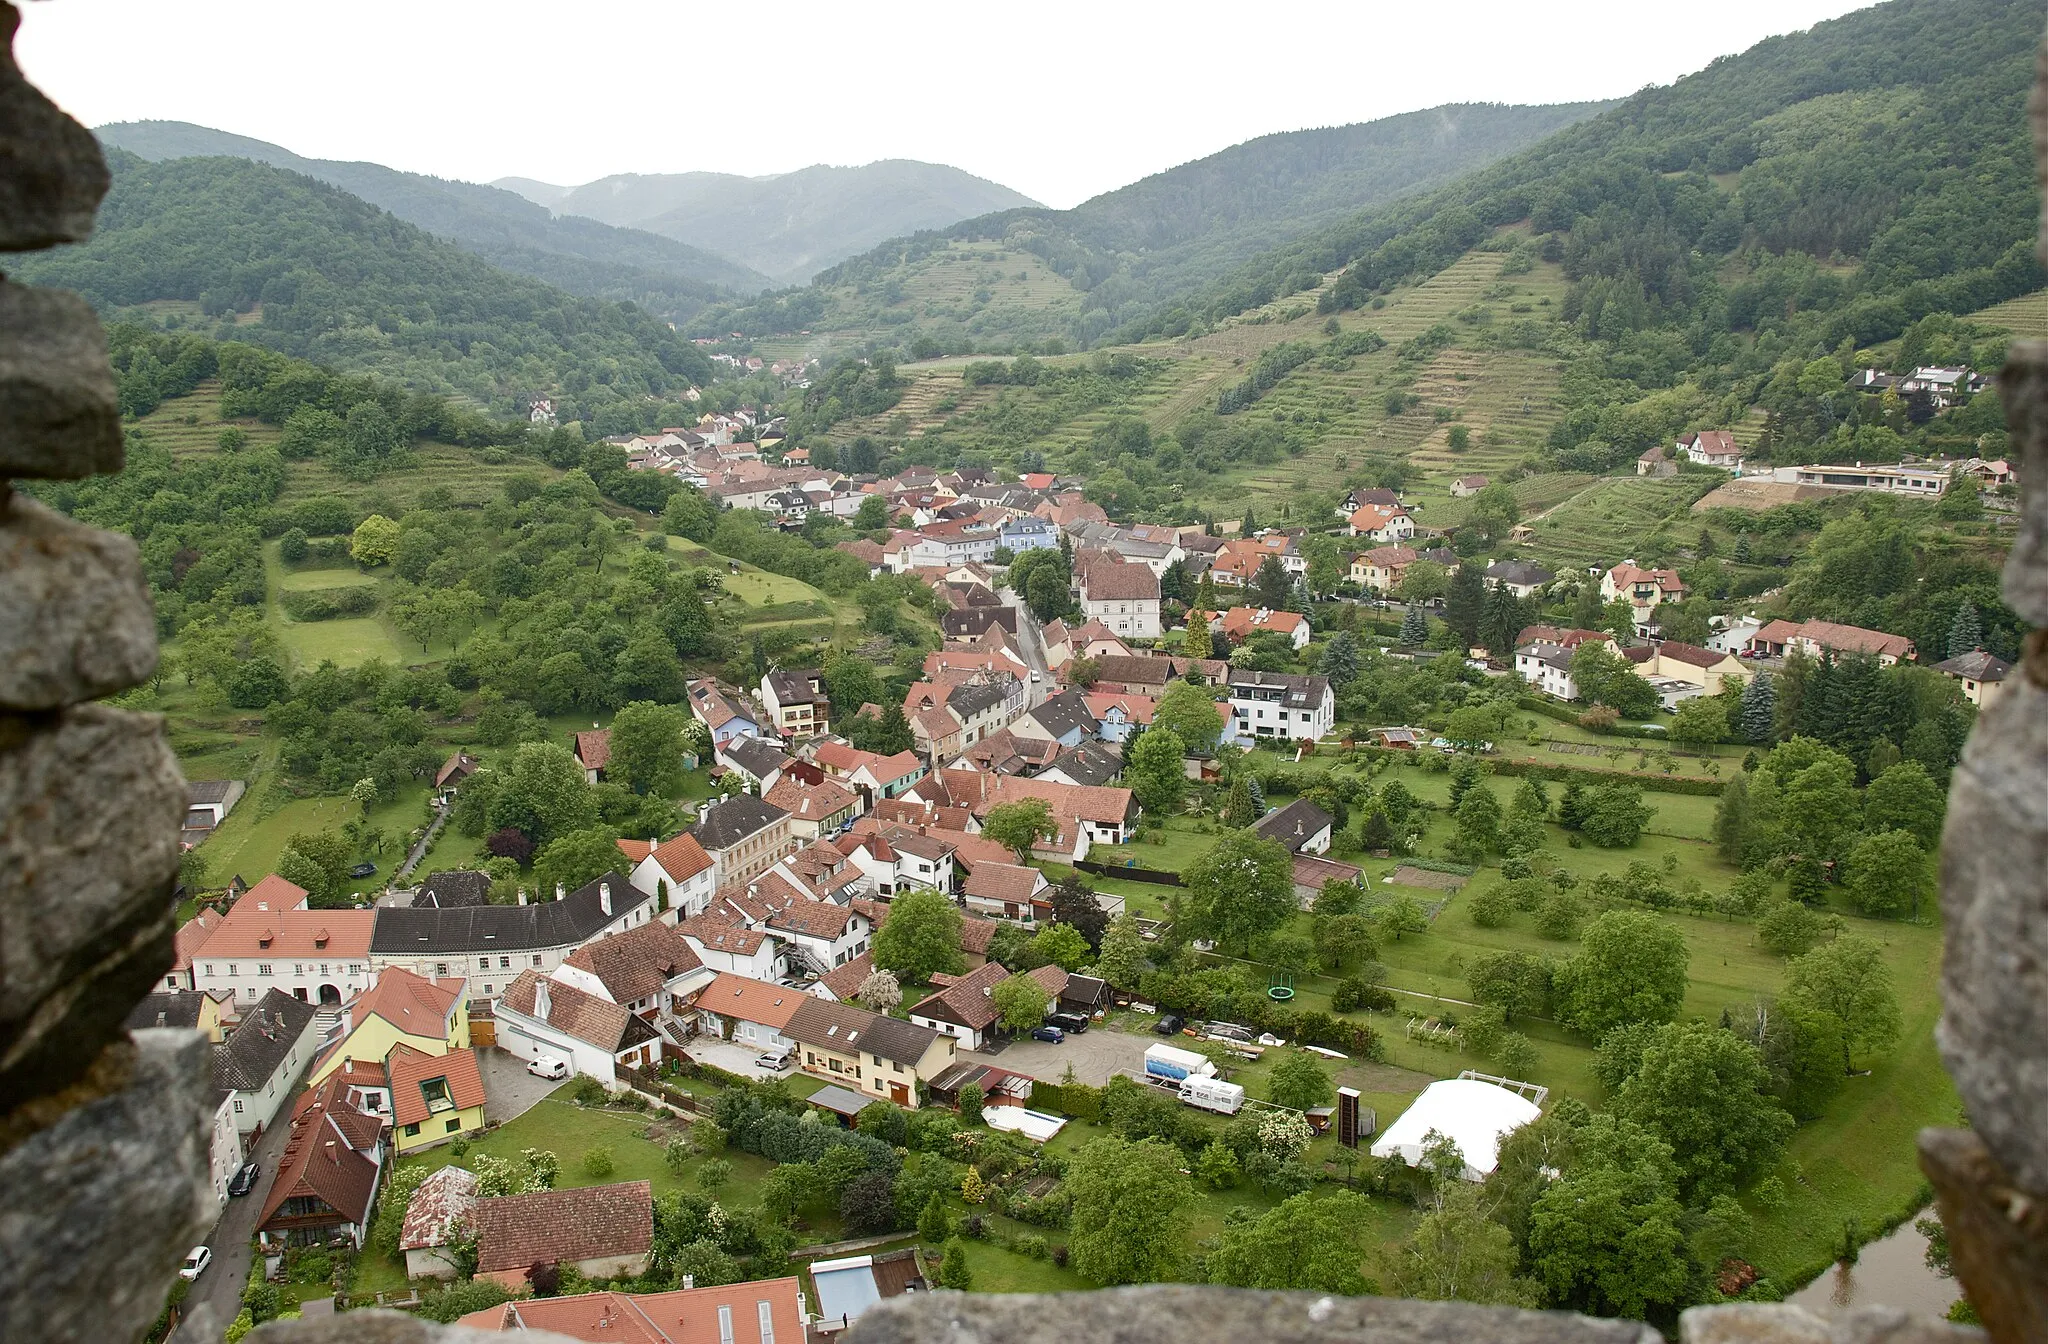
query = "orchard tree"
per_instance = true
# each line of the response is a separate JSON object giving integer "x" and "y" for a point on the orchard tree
{"x": 1122, "y": 959}
{"x": 921, "y": 936}
{"x": 1402, "y": 915}
{"x": 1849, "y": 985}
{"x": 1189, "y": 712}
{"x": 1059, "y": 945}
{"x": 880, "y": 992}
{"x": 1154, "y": 771}
{"x": 1700, "y": 722}
{"x": 1514, "y": 982}
{"x": 1615, "y": 816}
{"x": 1888, "y": 875}
{"x": 1631, "y": 967}
{"x": 1478, "y": 820}
{"x": 542, "y": 793}
{"x": 1905, "y": 798}
{"x": 647, "y": 747}
{"x": 1309, "y": 1243}
{"x": 1706, "y": 1092}
{"x": 1128, "y": 1216}
{"x": 1300, "y": 1082}
{"x": 1019, "y": 826}
{"x": 1020, "y": 1002}
{"x": 374, "y": 542}
{"x": 1344, "y": 940}
{"x": 1240, "y": 889}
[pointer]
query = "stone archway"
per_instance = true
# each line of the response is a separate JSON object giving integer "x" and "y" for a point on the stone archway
{"x": 330, "y": 995}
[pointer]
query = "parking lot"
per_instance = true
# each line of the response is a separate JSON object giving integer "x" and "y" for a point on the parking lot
{"x": 1096, "y": 1055}
{"x": 509, "y": 1090}
{"x": 732, "y": 1058}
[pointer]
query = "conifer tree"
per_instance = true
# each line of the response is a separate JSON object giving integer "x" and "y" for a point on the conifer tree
{"x": 1759, "y": 708}
{"x": 1195, "y": 643}
{"x": 1238, "y": 808}
{"x": 1414, "y": 629}
{"x": 1965, "y": 632}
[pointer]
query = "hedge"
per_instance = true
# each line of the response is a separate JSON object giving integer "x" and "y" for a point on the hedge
{"x": 1190, "y": 998}
{"x": 1440, "y": 866}
{"x": 1157, "y": 878}
{"x": 1564, "y": 774}
{"x": 326, "y": 604}
{"x": 1566, "y": 714}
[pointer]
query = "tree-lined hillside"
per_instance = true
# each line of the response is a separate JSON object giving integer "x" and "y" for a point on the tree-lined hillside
{"x": 328, "y": 277}
{"x": 1126, "y": 252}
{"x": 581, "y": 255}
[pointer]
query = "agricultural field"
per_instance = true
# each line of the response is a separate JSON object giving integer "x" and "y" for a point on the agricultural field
{"x": 2025, "y": 316}
{"x": 1609, "y": 519}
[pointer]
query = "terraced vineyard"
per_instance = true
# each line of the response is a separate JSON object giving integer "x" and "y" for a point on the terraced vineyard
{"x": 190, "y": 426}
{"x": 1605, "y": 521}
{"x": 981, "y": 285}
{"x": 2025, "y": 316}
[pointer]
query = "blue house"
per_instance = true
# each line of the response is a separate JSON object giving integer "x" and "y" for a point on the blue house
{"x": 1027, "y": 533}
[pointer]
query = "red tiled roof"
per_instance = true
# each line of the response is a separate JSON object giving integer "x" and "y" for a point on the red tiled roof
{"x": 414, "y": 1004}
{"x": 1006, "y": 882}
{"x": 1691, "y": 654}
{"x": 681, "y": 857}
{"x": 321, "y": 1162}
{"x": 751, "y": 1000}
{"x": 1115, "y": 583}
{"x": 411, "y": 1070}
{"x": 590, "y": 1222}
{"x": 1051, "y": 979}
{"x": 1242, "y": 621}
{"x": 968, "y": 1000}
{"x": 192, "y": 934}
{"x": 721, "y": 932}
{"x": 816, "y": 919}
{"x": 263, "y": 921}
{"x": 809, "y": 802}
{"x": 635, "y": 964}
{"x": 594, "y": 748}
{"x": 683, "y": 1316}
{"x": 588, "y": 1018}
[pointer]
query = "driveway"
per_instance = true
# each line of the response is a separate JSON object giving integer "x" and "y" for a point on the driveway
{"x": 217, "y": 1294}
{"x": 509, "y": 1090}
{"x": 1096, "y": 1055}
{"x": 733, "y": 1058}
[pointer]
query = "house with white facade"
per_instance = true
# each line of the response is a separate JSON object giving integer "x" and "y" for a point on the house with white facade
{"x": 676, "y": 872}
{"x": 1711, "y": 448}
{"x": 747, "y": 1012}
{"x": 1281, "y": 705}
{"x": 725, "y": 944}
{"x": 1547, "y": 667}
{"x": 1383, "y": 524}
{"x": 541, "y": 1016}
{"x": 260, "y": 1062}
{"x": 271, "y": 940}
{"x": 1124, "y": 597}
{"x": 492, "y": 945}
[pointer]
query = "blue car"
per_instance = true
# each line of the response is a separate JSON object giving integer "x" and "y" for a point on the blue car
{"x": 1053, "y": 1034}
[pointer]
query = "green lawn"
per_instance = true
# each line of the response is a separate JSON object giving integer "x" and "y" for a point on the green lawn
{"x": 307, "y": 580}
{"x": 345, "y": 642}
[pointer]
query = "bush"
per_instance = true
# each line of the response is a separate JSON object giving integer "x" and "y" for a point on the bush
{"x": 327, "y": 604}
{"x": 599, "y": 1163}
{"x": 1491, "y": 908}
{"x": 1356, "y": 994}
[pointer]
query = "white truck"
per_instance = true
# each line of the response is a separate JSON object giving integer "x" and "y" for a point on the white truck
{"x": 1213, "y": 1094}
{"x": 1165, "y": 1063}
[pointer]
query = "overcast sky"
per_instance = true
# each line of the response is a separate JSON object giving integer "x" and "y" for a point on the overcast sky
{"x": 1059, "y": 100}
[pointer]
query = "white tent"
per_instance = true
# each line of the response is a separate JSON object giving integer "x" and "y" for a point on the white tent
{"x": 1476, "y": 1115}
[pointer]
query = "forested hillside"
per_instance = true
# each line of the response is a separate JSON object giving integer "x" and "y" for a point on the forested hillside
{"x": 315, "y": 272}
{"x": 1819, "y": 193}
{"x": 581, "y": 255}
{"x": 789, "y": 225}
{"x": 1130, "y": 250}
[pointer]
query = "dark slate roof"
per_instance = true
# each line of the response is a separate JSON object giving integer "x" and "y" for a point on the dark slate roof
{"x": 1089, "y": 762}
{"x": 245, "y": 1061}
{"x": 1518, "y": 571}
{"x": 1293, "y": 824}
{"x": 1977, "y": 665}
{"x": 733, "y": 820}
{"x": 797, "y": 686}
{"x": 967, "y": 701}
{"x": 450, "y": 891}
{"x": 575, "y": 918}
{"x": 851, "y": 1030}
{"x": 1063, "y": 713}
{"x": 166, "y": 1008}
{"x": 208, "y": 790}
{"x": 1301, "y": 692}
{"x": 755, "y": 757}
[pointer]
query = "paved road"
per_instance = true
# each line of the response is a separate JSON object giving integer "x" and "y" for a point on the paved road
{"x": 509, "y": 1090}
{"x": 1031, "y": 642}
{"x": 217, "y": 1294}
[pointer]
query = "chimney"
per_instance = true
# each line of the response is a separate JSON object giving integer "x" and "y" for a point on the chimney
{"x": 689, "y": 1280}
{"x": 604, "y": 897}
{"x": 559, "y": 893}
{"x": 703, "y": 811}
{"x": 542, "y": 1004}
{"x": 522, "y": 895}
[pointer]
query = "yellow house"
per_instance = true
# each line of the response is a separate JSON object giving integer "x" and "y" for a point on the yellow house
{"x": 1709, "y": 669}
{"x": 400, "y": 1009}
{"x": 882, "y": 1057}
{"x": 434, "y": 1098}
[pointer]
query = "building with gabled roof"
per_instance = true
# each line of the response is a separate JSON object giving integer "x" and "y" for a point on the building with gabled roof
{"x": 744, "y": 835}
{"x": 593, "y": 752}
{"x": 186, "y": 1009}
{"x": 1280, "y": 705}
{"x": 758, "y": 1311}
{"x": 1523, "y": 578}
{"x": 964, "y": 1009}
{"x": 797, "y": 703}
{"x": 1301, "y": 826}
{"x": 1815, "y": 638}
{"x": 651, "y": 971}
{"x": 1982, "y": 674}
{"x": 676, "y": 872}
{"x": 601, "y": 1231}
{"x": 882, "y": 1057}
{"x": 538, "y": 1016}
{"x": 725, "y": 943}
{"x": 491, "y": 944}
{"x": 434, "y": 1098}
{"x": 724, "y": 715}
{"x": 271, "y": 940}
{"x": 1124, "y": 597}
{"x": 815, "y": 810}
{"x": 1007, "y": 891}
{"x": 447, "y": 890}
{"x": 750, "y": 1012}
{"x": 436, "y": 1218}
{"x": 754, "y": 759}
{"x": 1240, "y": 623}
{"x": 326, "y": 1182}
{"x": 1644, "y": 589}
{"x": 431, "y": 1016}
{"x": 260, "y": 1061}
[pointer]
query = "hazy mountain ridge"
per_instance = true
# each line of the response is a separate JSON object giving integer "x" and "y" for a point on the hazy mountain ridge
{"x": 789, "y": 225}
{"x": 1127, "y": 251}
{"x": 584, "y": 256}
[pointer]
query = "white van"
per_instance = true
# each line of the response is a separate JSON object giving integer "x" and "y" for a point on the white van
{"x": 547, "y": 1066}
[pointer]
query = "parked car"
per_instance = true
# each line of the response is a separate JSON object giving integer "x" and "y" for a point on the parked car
{"x": 1070, "y": 1022}
{"x": 245, "y": 1179}
{"x": 1168, "y": 1025}
{"x": 775, "y": 1061}
{"x": 1053, "y": 1034}
{"x": 363, "y": 870}
{"x": 1038, "y": 676}
{"x": 547, "y": 1066}
{"x": 195, "y": 1263}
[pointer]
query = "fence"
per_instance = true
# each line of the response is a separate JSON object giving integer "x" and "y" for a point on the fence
{"x": 644, "y": 1082}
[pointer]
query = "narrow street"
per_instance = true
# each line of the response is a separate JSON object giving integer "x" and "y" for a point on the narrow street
{"x": 1031, "y": 643}
{"x": 217, "y": 1294}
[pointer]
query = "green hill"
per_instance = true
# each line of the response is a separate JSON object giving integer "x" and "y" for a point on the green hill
{"x": 1123, "y": 253}
{"x": 790, "y": 225}
{"x": 581, "y": 255}
{"x": 318, "y": 273}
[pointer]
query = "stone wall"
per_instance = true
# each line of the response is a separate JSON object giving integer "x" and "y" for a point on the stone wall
{"x": 103, "y": 1162}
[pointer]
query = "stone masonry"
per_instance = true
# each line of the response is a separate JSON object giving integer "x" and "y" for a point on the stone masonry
{"x": 103, "y": 1164}
{"x": 102, "y": 1135}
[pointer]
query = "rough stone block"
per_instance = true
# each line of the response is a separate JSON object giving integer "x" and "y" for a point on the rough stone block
{"x": 52, "y": 173}
{"x": 1191, "y": 1315}
{"x": 1997, "y": 1235}
{"x": 1760, "y": 1323}
{"x": 386, "y": 1327}
{"x": 1994, "y": 1023}
{"x": 2023, "y": 385}
{"x": 90, "y": 807}
{"x": 59, "y": 415}
{"x": 103, "y": 1204}
{"x": 76, "y": 622}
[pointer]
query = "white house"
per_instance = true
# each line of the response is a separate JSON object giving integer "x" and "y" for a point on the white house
{"x": 1240, "y": 623}
{"x": 748, "y": 1012}
{"x": 725, "y": 944}
{"x": 492, "y": 945}
{"x": 1385, "y": 525}
{"x": 676, "y": 872}
{"x": 1711, "y": 448}
{"x": 270, "y": 940}
{"x": 538, "y": 1015}
{"x": 897, "y": 858}
{"x": 1523, "y": 578}
{"x": 1547, "y": 667}
{"x": 1124, "y": 597}
{"x": 1301, "y": 826}
{"x": 1281, "y": 704}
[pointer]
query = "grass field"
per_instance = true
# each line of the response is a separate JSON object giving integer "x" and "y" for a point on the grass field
{"x": 312, "y": 580}
{"x": 1602, "y": 523}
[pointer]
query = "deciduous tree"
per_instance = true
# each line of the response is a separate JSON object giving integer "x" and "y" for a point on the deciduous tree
{"x": 920, "y": 937}
{"x": 1129, "y": 1206}
{"x": 1706, "y": 1092}
{"x": 1849, "y": 984}
{"x": 1307, "y": 1243}
{"x": 1020, "y": 1003}
{"x": 1300, "y": 1082}
{"x": 1018, "y": 825}
{"x": 1631, "y": 967}
{"x": 1153, "y": 771}
{"x": 1240, "y": 889}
